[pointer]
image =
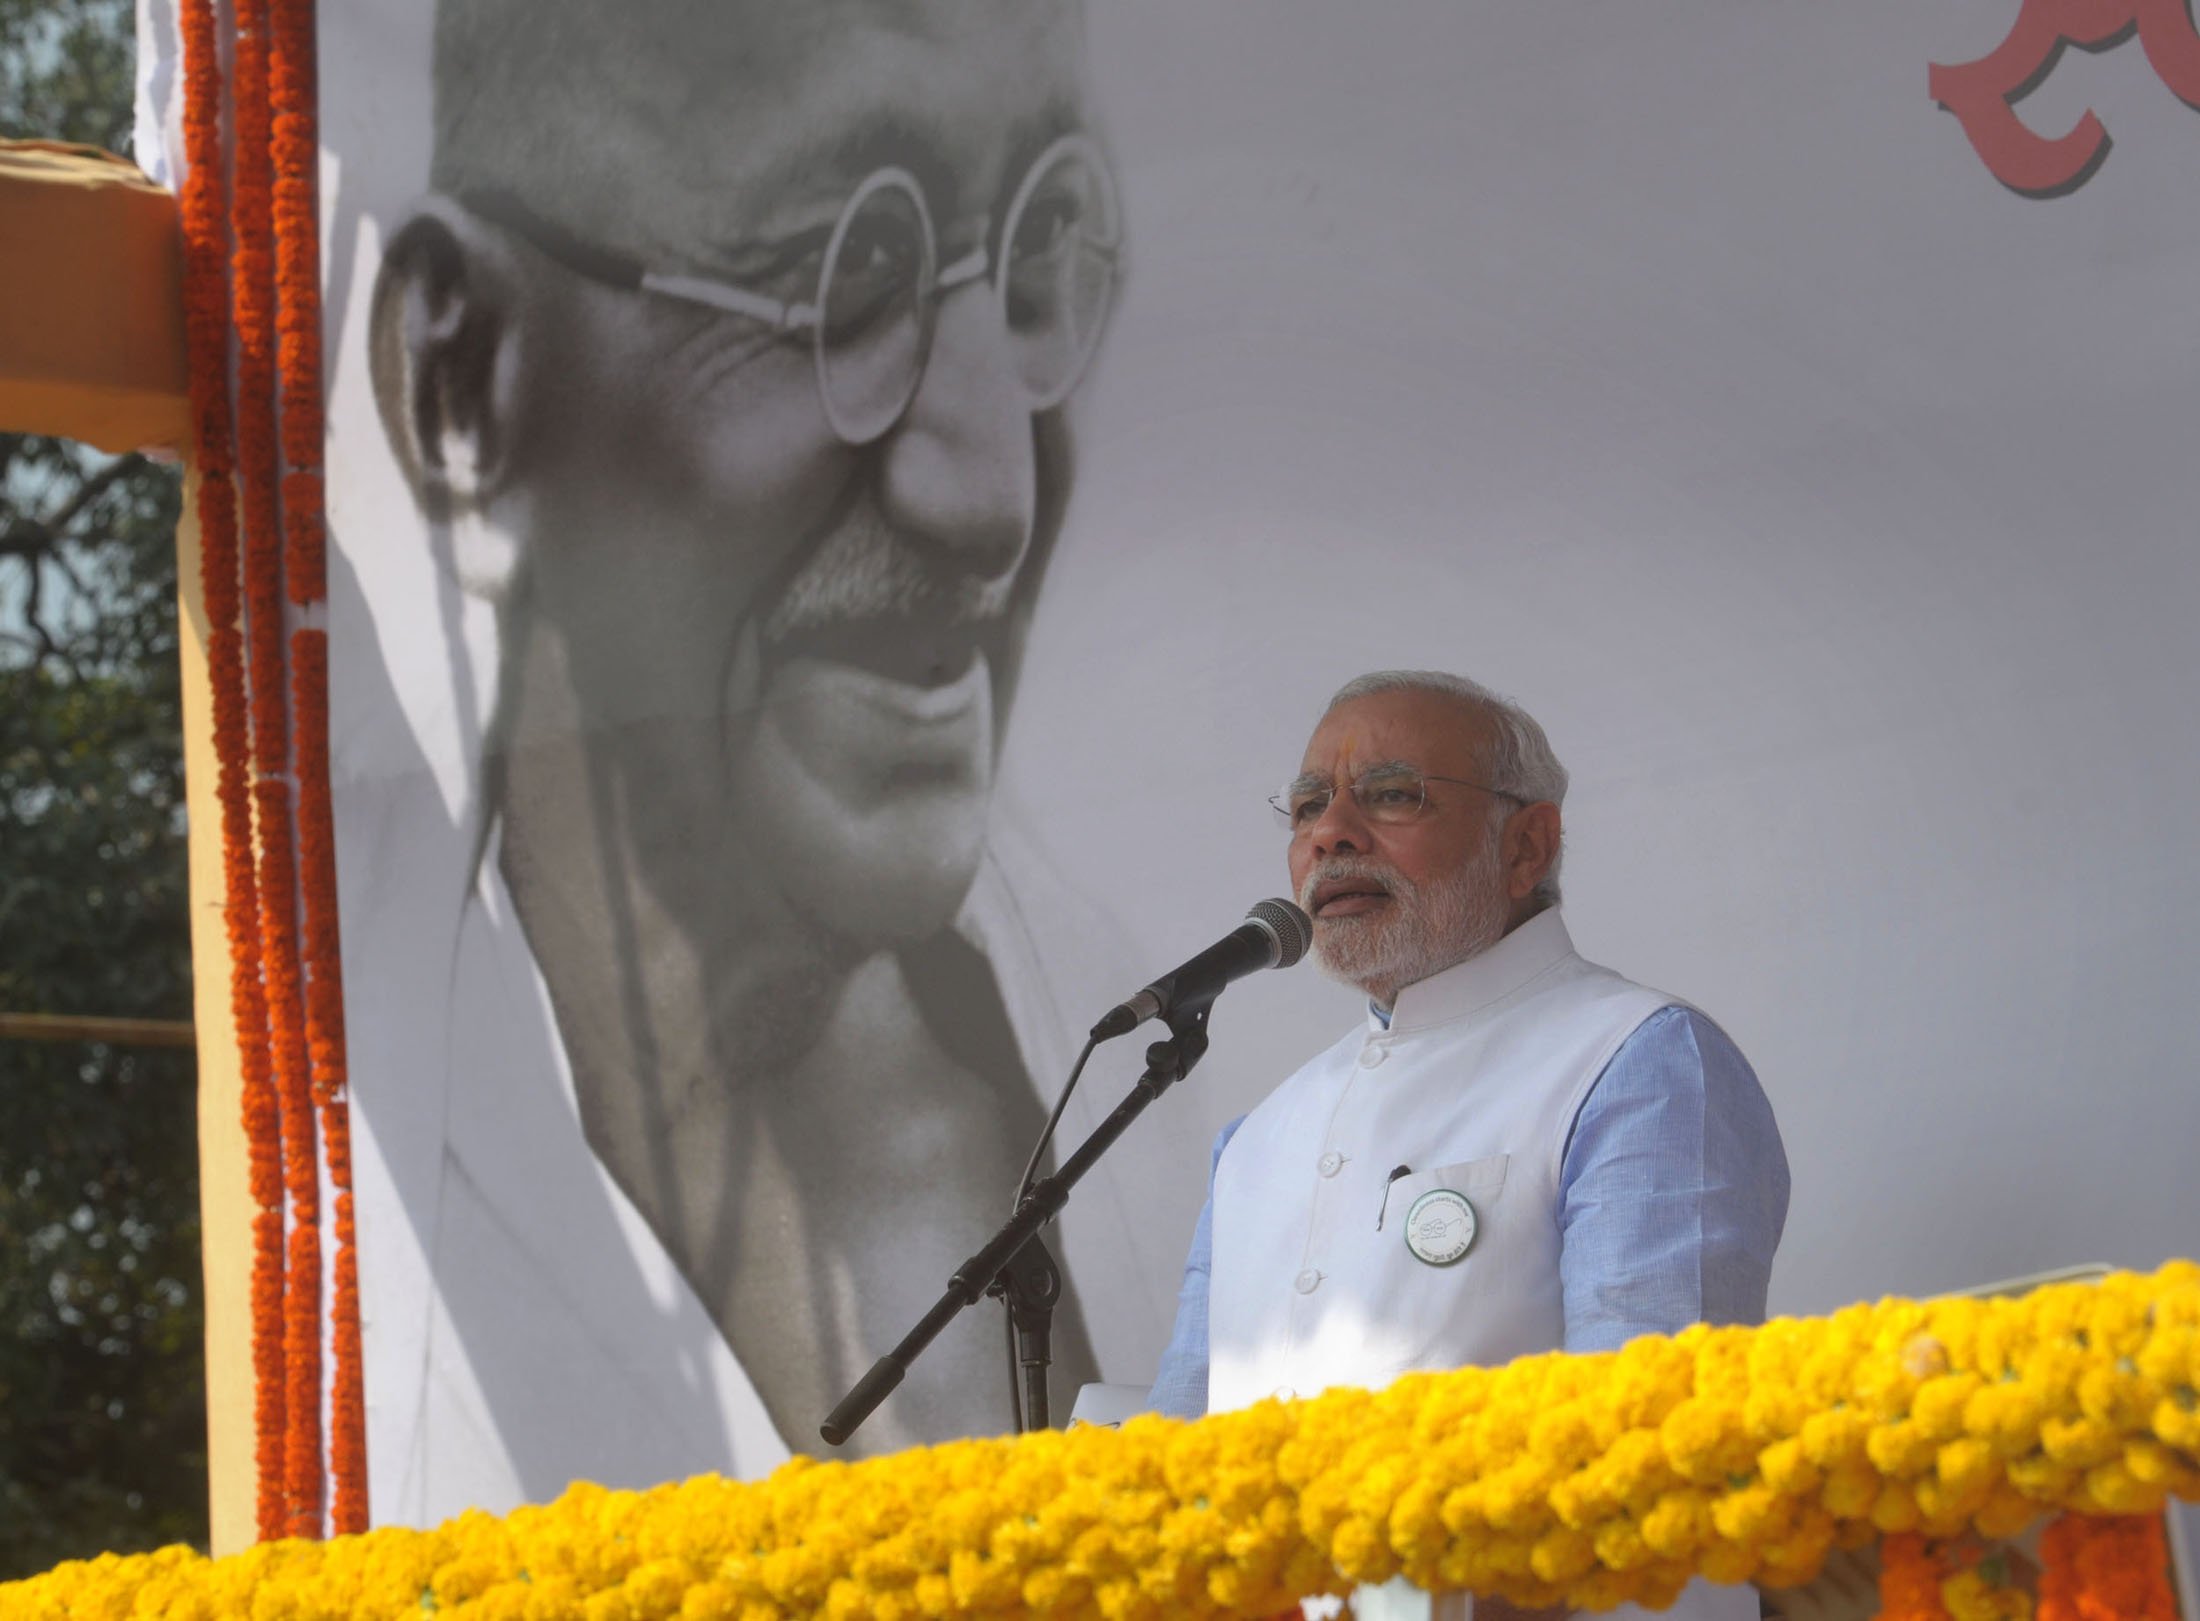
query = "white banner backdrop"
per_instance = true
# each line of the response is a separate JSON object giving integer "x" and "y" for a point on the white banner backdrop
{"x": 1680, "y": 369}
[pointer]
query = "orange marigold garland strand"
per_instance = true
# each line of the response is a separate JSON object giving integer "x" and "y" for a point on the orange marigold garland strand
{"x": 254, "y": 291}
{"x": 2106, "y": 1570}
{"x": 207, "y": 323}
{"x": 301, "y": 1161}
{"x": 1909, "y": 1581}
{"x": 296, "y": 154}
{"x": 289, "y": 1025}
{"x": 348, "y": 1396}
{"x": 2059, "y": 1569}
{"x": 325, "y": 1033}
{"x": 2092, "y": 1569}
{"x": 252, "y": 287}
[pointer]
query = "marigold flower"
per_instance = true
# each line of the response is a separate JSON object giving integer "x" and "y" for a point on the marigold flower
{"x": 1580, "y": 1480}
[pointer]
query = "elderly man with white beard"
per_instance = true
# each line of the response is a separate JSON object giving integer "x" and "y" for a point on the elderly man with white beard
{"x": 1516, "y": 1150}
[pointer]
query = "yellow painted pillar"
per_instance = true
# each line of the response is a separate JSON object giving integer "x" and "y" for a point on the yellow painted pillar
{"x": 225, "y": 1195}
{"x": 92, "y": 348}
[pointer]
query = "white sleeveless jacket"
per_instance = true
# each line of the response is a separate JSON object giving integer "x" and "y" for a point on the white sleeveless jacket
{"x": 1473, "y": 1087}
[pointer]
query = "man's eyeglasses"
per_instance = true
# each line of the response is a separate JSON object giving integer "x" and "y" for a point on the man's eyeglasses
{"x": 874, "y": 296}
{"x": 1386, "y": 793}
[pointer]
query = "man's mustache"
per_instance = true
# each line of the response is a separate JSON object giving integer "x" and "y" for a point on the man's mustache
{"x": 865, "y": 571}
{"x": 1343, "y": 868}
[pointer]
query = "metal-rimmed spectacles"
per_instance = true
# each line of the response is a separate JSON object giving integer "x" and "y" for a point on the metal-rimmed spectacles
{"x": 870, "y": 308}
{"x": 1387, "y": 794}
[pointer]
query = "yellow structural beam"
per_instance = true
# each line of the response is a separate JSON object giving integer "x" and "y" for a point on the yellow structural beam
{"x": 225, "y": 1202}
{"x": 91, "y": 299}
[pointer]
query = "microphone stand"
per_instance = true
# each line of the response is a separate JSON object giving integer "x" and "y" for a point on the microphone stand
{"x": 1032, "y": 1286}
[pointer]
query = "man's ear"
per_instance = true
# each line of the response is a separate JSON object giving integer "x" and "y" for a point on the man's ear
{"x": 441, "y": 339}
{"x": 1530, "y": 846}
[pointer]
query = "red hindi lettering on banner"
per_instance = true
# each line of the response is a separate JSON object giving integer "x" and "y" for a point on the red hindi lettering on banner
{"x": 1983, "y": 94}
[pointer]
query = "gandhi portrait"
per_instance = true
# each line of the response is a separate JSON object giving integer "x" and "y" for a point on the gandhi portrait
{"x": 737, "y": 342}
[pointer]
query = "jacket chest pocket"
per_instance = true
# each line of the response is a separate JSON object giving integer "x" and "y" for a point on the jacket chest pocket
{"x": 1434, "y": 1263}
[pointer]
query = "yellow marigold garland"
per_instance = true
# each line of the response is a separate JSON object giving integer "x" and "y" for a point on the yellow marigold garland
{"x": 1589, "y": 1480}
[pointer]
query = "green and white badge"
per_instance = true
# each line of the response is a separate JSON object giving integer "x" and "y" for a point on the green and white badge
{"x": 1440, "y": 1227}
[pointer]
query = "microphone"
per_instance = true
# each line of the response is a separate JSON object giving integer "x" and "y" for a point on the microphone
{"x": 1275, "y": 934}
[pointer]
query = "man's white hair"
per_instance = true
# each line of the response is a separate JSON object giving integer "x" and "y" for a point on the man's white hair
{"x": 1516, "y": 758}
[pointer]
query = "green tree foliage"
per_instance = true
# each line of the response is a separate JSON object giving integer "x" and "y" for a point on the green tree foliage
{"x": 66, "y": 70}
{"x": 102, "y": 1405}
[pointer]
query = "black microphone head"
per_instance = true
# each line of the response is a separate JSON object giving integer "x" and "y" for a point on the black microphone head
{"x": 1293, "y": 929}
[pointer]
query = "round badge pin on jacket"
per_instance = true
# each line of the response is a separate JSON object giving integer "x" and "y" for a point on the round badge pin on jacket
{"x": 1440, "y": 1227}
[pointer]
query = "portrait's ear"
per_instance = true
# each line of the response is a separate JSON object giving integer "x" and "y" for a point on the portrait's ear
{"x": 440, "y": 342}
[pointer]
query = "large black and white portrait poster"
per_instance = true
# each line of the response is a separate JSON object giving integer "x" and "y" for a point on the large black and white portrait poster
{"x": 846, "y": 510}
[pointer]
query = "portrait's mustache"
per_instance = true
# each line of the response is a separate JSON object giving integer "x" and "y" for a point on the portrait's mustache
{"x": 864, "y": 571}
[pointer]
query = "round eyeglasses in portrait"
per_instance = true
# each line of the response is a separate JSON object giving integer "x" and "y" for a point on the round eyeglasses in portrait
{"x": 1053, "y": 266}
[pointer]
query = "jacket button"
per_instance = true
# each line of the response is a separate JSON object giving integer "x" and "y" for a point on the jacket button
{"x": 1370, "y": 1057}
{"x": 1330, "y": 1163}
{"x": 1307, "y": 1282}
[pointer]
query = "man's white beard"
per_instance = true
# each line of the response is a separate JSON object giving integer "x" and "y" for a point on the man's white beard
{"x": 1425, "y": 929}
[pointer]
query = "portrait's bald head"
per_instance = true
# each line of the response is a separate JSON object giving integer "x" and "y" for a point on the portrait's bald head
{"x": 651, "y": 120}
{"x": 741, "y": 330}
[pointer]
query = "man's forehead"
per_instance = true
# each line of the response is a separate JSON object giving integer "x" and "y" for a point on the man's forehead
{"x": 1432, "y": 730}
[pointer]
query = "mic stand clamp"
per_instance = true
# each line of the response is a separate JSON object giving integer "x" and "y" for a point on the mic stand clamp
{"x": 1031, "y": 1286}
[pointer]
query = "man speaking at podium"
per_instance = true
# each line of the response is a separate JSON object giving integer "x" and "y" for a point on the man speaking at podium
{"x": 1516, "y": 1150}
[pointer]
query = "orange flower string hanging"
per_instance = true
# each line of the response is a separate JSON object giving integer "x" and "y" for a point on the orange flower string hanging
{"x": 253, "y": 226}
{"x": 207, "y": 325}
{"x": 296, "y": 151}
{"x": 263, "y": 455}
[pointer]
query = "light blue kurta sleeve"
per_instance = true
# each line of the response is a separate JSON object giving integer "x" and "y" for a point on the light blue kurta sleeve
{"x": 1180, "y": 1388}
{"x": 1673, "y": 1189}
